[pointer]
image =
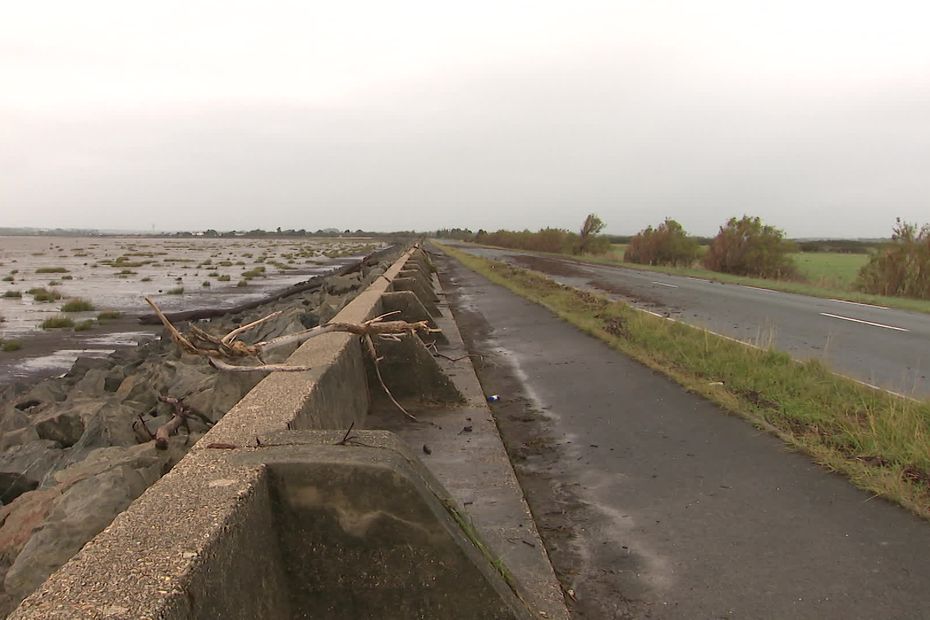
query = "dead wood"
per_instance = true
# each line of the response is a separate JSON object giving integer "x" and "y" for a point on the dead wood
{"x": 218, "y": 349}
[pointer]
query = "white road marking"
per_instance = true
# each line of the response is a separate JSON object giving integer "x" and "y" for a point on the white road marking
{"x": 664, "y": 284}
{"x": 759, "y": 288}
{"x": 651, "y": 312}
{"x": 856, "y": 303}
{"x": 846, "y": 318}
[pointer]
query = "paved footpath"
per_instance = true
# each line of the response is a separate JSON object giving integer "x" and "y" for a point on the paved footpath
{"x": 654, "y": 503}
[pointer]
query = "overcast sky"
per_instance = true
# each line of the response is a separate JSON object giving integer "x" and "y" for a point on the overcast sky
{"x": 382, "y": 115}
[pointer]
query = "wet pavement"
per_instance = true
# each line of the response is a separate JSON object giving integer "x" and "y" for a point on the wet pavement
{"x": 654, "y": 503}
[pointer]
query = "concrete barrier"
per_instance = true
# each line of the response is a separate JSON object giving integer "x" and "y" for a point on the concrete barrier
{"x": 274, "y": 513}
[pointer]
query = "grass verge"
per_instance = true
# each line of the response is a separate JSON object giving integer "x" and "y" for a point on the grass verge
{"x": 881, "y": 442}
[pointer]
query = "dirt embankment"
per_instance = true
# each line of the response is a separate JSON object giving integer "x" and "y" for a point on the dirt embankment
{"x": 76, "y": 450}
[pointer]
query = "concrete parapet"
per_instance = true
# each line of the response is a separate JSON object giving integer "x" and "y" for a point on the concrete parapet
{"x": 411, "y": 309}
{"x": 414, "y": 285}
{"x": 304, "y": 526}
{"x": 282, "y": 510}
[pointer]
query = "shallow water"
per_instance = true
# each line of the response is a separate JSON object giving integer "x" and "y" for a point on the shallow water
{"x": 168, "y": 264}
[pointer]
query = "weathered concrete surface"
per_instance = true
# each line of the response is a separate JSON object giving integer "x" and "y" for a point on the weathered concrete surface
{"x": 467, "y": 455}
{"x": 300, "y": 527}
{"x": 657, "y": 504}
{"x": 414, "y": 285}
{"x": 411, "y": 309}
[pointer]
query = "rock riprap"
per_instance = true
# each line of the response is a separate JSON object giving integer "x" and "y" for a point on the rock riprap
{"x": 76, "y": 450}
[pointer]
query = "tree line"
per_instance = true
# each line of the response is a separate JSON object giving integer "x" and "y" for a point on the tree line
{"x": 744, "y": 246}
{"x": 587, "y": 240}
{"x": 749, "y": 247}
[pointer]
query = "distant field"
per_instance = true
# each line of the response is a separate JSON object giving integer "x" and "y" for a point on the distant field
{"x": 832, "y": 270}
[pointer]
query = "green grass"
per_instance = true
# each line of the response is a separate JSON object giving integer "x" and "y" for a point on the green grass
{"x": 77, "y": 305}
{"x": 83, "y": 326}
{"x": 178, "y": 290}
{"x": 57, "y": 322}
{"x": 878, "y": 440}
{"x": 8, "y": 346}
{"x": 12, "y": 294}
{"x": 254, "y": 273}
{"x": 44, "y": 295}
{"x": 223, "y": 278}
{"x": 109, "y": 315}
{"x": 51, "y": 270}
{"x": 830, "y": 270}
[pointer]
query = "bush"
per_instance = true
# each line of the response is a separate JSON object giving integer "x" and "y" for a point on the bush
{"x": 223, "y": 278}
{"x": 107, "y": 315}
{"x": 546, "y": 240}
{"x": 179, "y": 290}
{"x": 902, "y": 266}
{"x": 8, "y": 346}
{"x": 83, "y": 326}
{"x": 51, "y": 270}
{"x": 12, "y": 294}
{"x": 748, "y": 247}
{"x": 77, "y": 305}
{"x": 57, "y": 322}
{"x": 667, "y": 244}
{"x": 44, "y": 295}
{"x": 590, "y": 241}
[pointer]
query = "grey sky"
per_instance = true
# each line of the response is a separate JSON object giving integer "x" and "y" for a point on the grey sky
{"x": 377, "y": 115}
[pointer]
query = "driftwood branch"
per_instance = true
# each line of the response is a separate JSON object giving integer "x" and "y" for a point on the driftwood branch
{"x": 169, "y": 428}
{"x": 219, "y": 349}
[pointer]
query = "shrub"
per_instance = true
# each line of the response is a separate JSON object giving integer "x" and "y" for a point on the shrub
{"x": 902, "y": 266}
{"x": 223, "y": 278}
{"x": 108, "y": 315}
{"x": 51, "y": 270}
{"x": 748, "y": 247}
{"x": 242, "y": 283}
{"x": 57, "y": 322}
{"x": 77, "y": 305}
{"x": 8, "y": 278}
{"x": 8, "y": 346}
{"x": 178, "y": 290}
{"x": 146, "y": 279}
{"x": 205, "y": 283}
{"x": 253, "y": 273}
{"x": 83, "y": 326}
{"x": 12, "y": 294}
{"x": 589, "y": 239}
{"x": 546, "y": 240}
{"x": 44, "y": 295}
{"x": 667, "y": 244}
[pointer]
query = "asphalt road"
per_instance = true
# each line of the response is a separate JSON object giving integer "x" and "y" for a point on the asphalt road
{"x": 880, "y": 346}
{"x": 654, "y": 503}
